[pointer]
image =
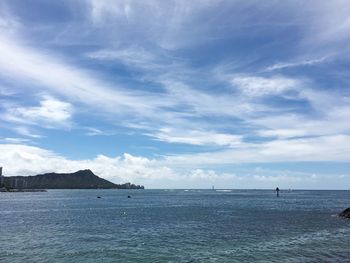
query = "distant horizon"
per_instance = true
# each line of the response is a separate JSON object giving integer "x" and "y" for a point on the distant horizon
{"x": 209, "y": 188}
{"x": 272, "y": 188}
{"x": 175, "y": 93}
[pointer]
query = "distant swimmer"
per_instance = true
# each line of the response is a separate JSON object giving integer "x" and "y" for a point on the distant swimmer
{"x": 278, "y": 192}
{"x": 129, "y": 196}
{"x": 99, "y": 197}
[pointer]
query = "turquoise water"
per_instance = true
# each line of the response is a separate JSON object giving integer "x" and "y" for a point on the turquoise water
{"x": 174, "y": 226}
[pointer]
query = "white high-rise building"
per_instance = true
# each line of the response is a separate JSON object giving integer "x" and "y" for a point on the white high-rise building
{"x": 1, "y": 177}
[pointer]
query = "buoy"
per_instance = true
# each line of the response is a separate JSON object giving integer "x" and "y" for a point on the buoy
{"x": 129, "y": 196}
{"x": 99, "y": 197}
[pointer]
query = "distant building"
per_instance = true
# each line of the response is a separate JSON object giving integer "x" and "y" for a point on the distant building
{"x": 15, "y": 182}
{"x": 1, "y": 178}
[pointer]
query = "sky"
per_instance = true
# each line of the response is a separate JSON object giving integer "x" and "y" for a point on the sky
{"x": 178, "y": 94}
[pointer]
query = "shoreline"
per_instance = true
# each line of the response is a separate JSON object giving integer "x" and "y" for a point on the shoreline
{"x": 21, "y": 190}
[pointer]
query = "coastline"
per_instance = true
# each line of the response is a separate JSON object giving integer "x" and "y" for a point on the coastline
{"x": 3, "y": 190}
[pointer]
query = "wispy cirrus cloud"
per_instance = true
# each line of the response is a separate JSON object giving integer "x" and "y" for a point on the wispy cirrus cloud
{"x": 312, "y": 149}
{"x": 163, "y": 23}
{"x": 264, "y": 86}
{"x": 284, "y": 65}
{"x": 25, "y": 131}
{"x": 196, "y": 137}
{"x": 91, "y": 131}
{"x": 15, "y": 140}
{"x": 78, "y": 87}
{"x": 149, "y": 106}
{"x": 136, "y": 57}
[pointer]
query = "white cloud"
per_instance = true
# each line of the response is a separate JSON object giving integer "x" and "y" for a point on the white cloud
{"x": 330, "y": 115}
{"x": 8, "y": 23}
{"x": 15, "y": 140}
{"x": 320, "y": 27}
{"x": 20, "y": 159}
{"x": 96, "y": 132}
{"x": 6, "y": 92}
{"x": 131, "y": 56}
{"x": 207, "y": 103}
{"x": 212, "y": 176}
{"x": 278, "y": 178}
{"x": 78, "y": 86}
{"x": 28, "y": 65}
{"x": 283, "y": 133}
{"x": 262, "y": 86}
{"x": 314, "y": 149}
{"x": 29, "y": 160}
{"x": 51, "y": 112}
{"x": 308, "y": 62}
{"x": 173, "y": 108}
{"x": 147, "y": 110}
{"x": 103, "y": 9}
{"x": 25, "y": 131}
{"x": 289, "y": 126}
{"x": 196, "y": 137}
{"x": 165, "y": 23}
{"x": 329, "y": 23}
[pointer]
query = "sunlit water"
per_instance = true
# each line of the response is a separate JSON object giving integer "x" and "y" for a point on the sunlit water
{"x": 174, "y": 226}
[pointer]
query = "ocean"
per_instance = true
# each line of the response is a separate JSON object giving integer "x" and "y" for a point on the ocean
{"x": 174, "y": 226}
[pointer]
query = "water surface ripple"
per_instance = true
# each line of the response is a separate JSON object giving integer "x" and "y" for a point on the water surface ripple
{"x": 174, "y": 226}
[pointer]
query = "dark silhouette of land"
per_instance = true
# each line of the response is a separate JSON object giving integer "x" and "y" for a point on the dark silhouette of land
{"x": 345, "y": 213}
{"x": 83, "y": 179}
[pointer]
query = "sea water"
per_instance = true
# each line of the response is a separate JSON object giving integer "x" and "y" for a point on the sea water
{"x": 174, "y": 226}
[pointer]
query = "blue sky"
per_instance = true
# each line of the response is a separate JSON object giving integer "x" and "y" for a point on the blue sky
{"x": 178, "y": 94}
